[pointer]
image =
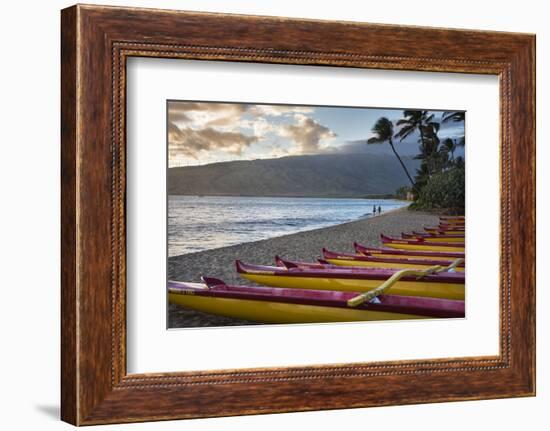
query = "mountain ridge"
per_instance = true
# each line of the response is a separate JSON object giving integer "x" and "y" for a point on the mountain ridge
{"x": 320, "y": 175}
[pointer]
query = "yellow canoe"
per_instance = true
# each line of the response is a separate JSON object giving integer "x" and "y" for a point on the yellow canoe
{"x": 452, "y": 218}
{"x": 403, "y": 244}
{"x": 393, "y": 262}
{"x": 271, "y": 305}
{"x": 434, "y": 238}
{"x": 407, "y": 254}
{"x": 444, "y": 285}
{"x": 273, "y": 312}
{"x": 439, "y": 231}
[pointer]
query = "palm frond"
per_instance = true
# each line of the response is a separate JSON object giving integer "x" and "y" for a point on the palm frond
{"x": 455, "y": 116}
{"x": 414, "y": 114}
{"x": 405, "y": 131}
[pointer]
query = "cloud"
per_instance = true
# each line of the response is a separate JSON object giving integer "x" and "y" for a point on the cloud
{"x": 187, "y": 142}
{"x": 307, "y": 134}
{"x": 279, "y": 110}
{"x": 179, "y": 117}
{"x": 204, "y": 131}
{"x": 206, "y": 114}
{"x": 174, "y": 106}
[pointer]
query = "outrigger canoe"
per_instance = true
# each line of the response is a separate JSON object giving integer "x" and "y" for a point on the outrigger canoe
{"x": 452, "y": 218}
{"x": 273, "y": 305}
{"x": 413, "y": 254}
{"x": 320, "y": 264}
{"x": 345, "y": 259}
{"x": 428, "y": 235}
{"x": 420, "y": 244}
{"x": 445, "y": 224}
{"x": 444, "y": 231}
{"x": 445, "y": 285}
{"x": 433, "y": 237}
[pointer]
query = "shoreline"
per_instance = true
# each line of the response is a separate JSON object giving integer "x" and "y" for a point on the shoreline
{"x": 305, "y": 246}
{"x": 367, "y": 197}
{"x": 361, "y": 218}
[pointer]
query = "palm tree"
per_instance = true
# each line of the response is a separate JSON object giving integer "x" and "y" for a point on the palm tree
{"x": 454, "y": 116}
{"x": 431, "y": 147}
{"x": 450, "y": 146}
{"x": 383, "y": 132}
{"x": 412, "y": 121}
{"x": 422, "y": 121}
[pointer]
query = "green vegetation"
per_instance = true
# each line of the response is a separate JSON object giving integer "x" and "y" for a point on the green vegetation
{"x": 439, "y": 181}
{"x": 444, "y": 191}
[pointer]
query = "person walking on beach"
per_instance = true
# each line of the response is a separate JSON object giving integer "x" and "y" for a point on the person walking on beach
{"x": 379, "y": 210}
{"x": 374, "y": 210}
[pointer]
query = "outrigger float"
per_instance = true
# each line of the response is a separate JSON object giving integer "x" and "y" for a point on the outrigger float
{"x": 438, "y": 283}
{"x": 275, "y": 305}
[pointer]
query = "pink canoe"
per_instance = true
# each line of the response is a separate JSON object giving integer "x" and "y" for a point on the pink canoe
{"x": 390, "y": 252}
{"x": 274, "y": 305}
{"x": 420, "y": 244}
{"x": 446, "y": 285}
{"x": 374, "y": 261}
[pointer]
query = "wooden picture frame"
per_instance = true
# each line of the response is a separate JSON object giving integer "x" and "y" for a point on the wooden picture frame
{"x": 95, "y": 42}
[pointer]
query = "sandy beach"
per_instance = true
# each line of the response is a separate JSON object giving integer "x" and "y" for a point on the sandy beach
{"x": 220, "y": 262}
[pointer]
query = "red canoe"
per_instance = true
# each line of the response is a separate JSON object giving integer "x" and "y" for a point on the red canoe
{"x": 275, "y": 305}
{"x": 456, "y": 217}
{"x": 389, "y": 240}
{"x": 320, "y": 264}
{"x": 440, "y": 255}
{"x": 445, "y": 285}
{"x": 428, "y": 235}
{"x": 444, "y": 229}
{"x": 405, "y": 262}
{"x": 451, "y": 227}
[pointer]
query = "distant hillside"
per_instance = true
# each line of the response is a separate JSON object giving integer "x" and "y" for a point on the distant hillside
{"x": 330, "y": 175}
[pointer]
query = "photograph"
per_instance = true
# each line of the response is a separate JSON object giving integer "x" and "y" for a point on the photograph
{"x": 274, "y": 200}
{"x": 281, "y": 214}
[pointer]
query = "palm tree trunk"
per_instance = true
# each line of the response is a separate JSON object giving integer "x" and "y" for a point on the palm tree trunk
{"x": 402, "y": 164}
{"x": 424, "y": 150}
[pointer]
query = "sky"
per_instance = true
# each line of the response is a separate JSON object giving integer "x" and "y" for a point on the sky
{"x": 209, "y": 132}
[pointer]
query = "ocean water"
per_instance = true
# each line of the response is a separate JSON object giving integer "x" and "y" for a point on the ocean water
{"x": 198, "y": 223}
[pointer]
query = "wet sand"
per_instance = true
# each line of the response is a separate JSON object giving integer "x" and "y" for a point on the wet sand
{"x": 306, "y": 246}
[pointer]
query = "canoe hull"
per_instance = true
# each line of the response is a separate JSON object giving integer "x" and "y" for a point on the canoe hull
{"x": 272, "y": 305}
{"x": 421, "y": 246}
{"x": 406, "y": 288}
{"x": 429, "y": 245}
{"x": 440, "y": 231}
{"x": 430, "y": 238}
{"x": 412, "y": 254}
{"x": 406, "y": 244}
{"x": 378, "y": 264}
{"x": 273, "y": 312}
{"x": 404, "y": 255}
